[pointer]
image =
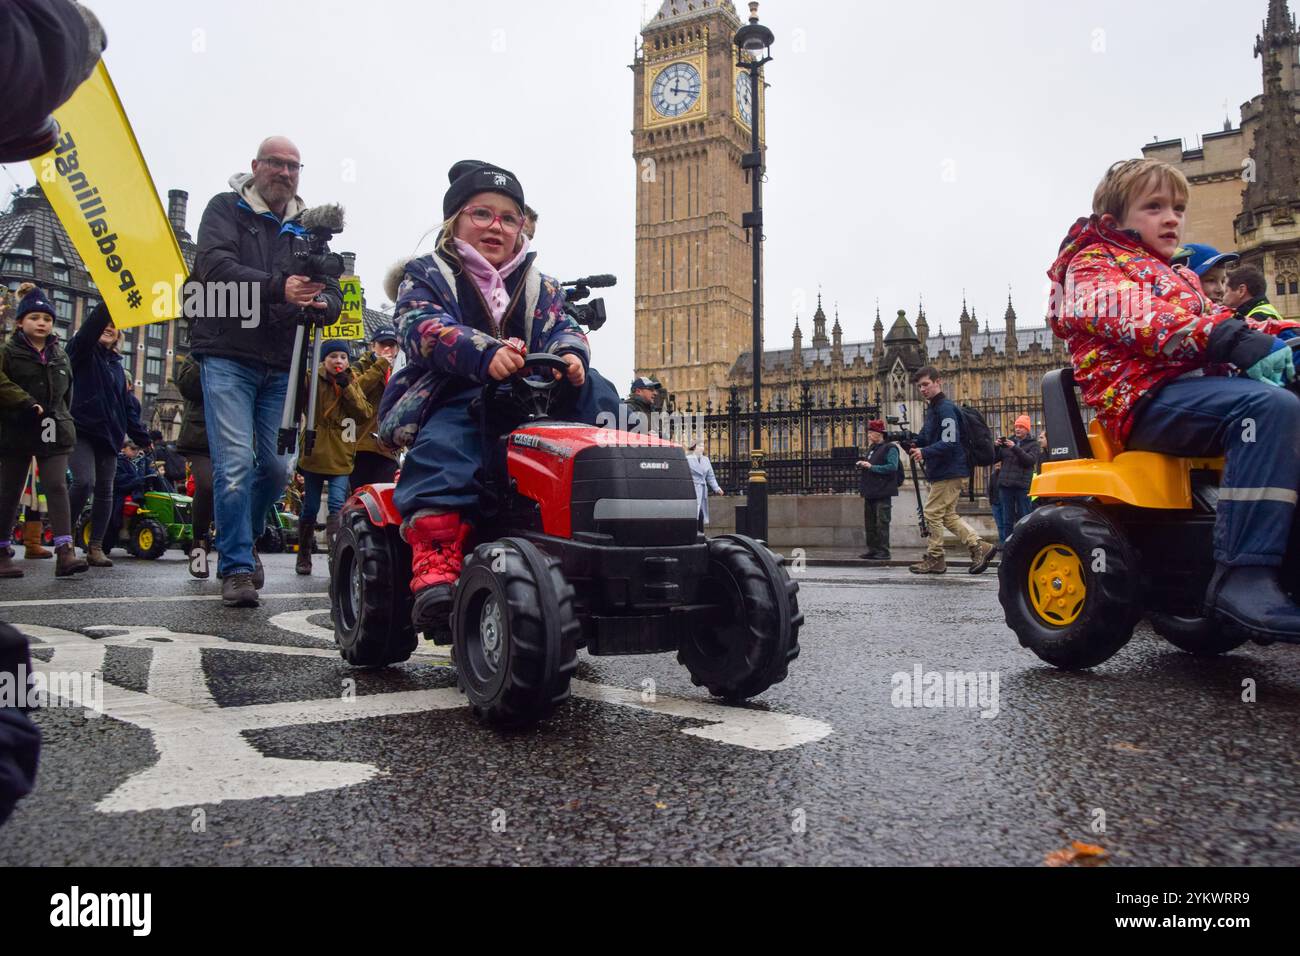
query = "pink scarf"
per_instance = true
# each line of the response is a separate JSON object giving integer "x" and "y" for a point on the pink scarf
{"x": 490, "y": 280}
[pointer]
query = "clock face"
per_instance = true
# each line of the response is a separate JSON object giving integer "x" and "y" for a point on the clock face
{"x": 744, "y": 99}
{"x": 676, "y": 89}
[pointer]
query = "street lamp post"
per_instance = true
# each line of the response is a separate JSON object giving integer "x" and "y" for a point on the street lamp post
{"x": 754, "y": 48}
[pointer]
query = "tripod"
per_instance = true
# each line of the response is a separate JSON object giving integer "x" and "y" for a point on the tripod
{"x": 305, "y": 340}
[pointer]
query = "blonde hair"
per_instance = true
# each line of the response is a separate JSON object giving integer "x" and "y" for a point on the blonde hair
{"x": 1127, "y": 179}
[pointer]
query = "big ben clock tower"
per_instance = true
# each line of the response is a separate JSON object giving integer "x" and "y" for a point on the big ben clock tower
{"x": 691, "y": 127}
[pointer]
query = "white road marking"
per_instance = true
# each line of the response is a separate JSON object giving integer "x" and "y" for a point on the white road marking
{"x": 203, "y": 757}
{"x": 296, "y": 622}
{"x": 150, "y": 598}
{"x": 741, "y": 727}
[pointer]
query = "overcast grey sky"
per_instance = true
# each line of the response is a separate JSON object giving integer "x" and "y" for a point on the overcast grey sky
{"x": 1024, "y": 103}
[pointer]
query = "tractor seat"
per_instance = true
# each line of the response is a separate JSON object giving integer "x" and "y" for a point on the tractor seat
{"x": 1086, "y": 462}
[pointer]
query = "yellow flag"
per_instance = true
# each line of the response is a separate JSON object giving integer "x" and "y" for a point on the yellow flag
{"x": 99, "y": 185}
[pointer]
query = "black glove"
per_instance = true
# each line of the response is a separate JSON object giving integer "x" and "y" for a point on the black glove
{"x": 344, "y": 378}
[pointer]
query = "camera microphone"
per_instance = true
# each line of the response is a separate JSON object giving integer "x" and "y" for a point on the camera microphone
{"x": 594, "y": 282}
{"x": 326, "y": 218}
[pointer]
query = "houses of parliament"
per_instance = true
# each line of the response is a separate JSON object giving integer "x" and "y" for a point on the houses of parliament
{"x": 691, "y": 127}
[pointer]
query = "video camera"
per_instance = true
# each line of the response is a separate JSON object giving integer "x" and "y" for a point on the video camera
{"x": 591, "y": 314}
{"x": 904, "y": 436}
{"x": 311, "y": 254}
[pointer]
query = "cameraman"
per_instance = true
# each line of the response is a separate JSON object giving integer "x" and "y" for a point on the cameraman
{"x": 940, "y": 450}
{"x": 246, "y": 243}
{"x": 878, "y": 483}
{"x": 1019, "y": 459}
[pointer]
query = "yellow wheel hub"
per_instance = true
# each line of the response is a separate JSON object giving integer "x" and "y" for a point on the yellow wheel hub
{"x": 1057, "y": 587}
{"x": 145, "y": 539}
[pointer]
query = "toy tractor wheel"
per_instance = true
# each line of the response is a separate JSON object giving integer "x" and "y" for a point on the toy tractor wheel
{"x": 82, "y": 534}
{"x": 514, "y": 633}
{"x": 1198, "y": 635}
{"x": 754, "y": 632}
{"x": 148, "y": 540}
{"x": 1069, "y": 587}
{"x": 271, "y": 541}
{"x": 370, "y": 598}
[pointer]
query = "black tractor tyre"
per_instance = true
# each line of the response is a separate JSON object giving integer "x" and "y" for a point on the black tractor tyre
{"x": 514, "y": 633}
{"x": 1095, "y": 627}
{"x": 1200, "y": 636}
{"x": 754, "y": 634}
{"x": 147, "y": 541}
{"x": 370, "y": 595}
{"x": 271, "y": 541}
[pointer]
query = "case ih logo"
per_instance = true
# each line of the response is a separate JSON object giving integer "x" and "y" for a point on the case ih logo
{"x": 654, "y": 466}
{"x": 532, "y": 441}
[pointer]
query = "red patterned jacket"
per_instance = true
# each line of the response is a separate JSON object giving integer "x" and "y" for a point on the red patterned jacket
{"x": 1133, "y": 323}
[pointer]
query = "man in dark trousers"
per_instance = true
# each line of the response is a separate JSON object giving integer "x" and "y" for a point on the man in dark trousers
{"x": 878, "y": 481}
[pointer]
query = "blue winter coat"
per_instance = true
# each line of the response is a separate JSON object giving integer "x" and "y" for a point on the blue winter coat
{"x": 103, "y": 409}
{"x": 943, "y": 459}
{"x": 449, "y": 338}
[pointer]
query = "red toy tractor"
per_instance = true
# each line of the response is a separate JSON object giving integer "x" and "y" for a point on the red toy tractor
{"x": 588, "y": 539}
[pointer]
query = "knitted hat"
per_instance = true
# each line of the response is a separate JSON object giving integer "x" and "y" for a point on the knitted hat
{"x": 329, "y": 346}
{"x": 876, "y": 425}
{"x": 472, "y": 176}
{"x": 32, "y": 299}
{"x": 1025, "y": 422}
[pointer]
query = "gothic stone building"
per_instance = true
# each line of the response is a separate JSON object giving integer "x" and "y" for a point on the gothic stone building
{"x": 691, "y": 125}
{"x": 1246, "y": 181}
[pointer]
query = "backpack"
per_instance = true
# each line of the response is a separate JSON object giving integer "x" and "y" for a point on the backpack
{"x": 900, "y": 476}
{"x": 976, "y": 437}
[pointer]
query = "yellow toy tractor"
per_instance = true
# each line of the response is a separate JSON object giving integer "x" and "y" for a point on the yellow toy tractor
{"x": 1118, "y": 536}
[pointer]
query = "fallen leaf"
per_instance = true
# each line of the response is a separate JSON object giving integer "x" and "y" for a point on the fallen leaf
{"x": 660, "y": 805}
{"x": 1085, "y": 854}
{"x": 1128, "y": 748}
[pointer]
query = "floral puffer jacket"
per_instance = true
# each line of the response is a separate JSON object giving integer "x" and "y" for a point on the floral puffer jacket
{"x": 1133, "y": 323}
{"x": 449, "y": 346}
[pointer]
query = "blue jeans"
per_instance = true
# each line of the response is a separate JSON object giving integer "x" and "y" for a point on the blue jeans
{"x": 312, "y": 484}
{"x": 995, "y": 505}
{"x": 1015, "y": 505}
{"x": 1257, "y": 428}
{"x": 242, "y": 405}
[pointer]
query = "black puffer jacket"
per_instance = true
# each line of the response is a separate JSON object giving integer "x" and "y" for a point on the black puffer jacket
{"x": 193, "y": 439}
{"x": 244, "y": 244}
{"x": 1018, "y": 463}
{"x": 25, "y": 382}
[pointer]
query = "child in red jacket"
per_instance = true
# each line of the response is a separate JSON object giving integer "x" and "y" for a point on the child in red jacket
{"x": 1155, "y": 358}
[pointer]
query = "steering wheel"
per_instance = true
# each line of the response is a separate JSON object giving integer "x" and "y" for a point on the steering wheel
{"x": 532, "y": 391}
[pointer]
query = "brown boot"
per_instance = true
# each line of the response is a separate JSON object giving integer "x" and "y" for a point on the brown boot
{"x": 930, "y": 564}
{"x": 7, "y": 567}
{"x": 306, "y": 541}
{"x": 68, "y": 563}
{"x": 96, "y": 557}
{"x": 980, "y": 556}
{"x": 33, "y": 551}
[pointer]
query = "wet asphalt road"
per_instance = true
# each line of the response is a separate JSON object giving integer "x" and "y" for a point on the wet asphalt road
{"x": 1159, "y": 744}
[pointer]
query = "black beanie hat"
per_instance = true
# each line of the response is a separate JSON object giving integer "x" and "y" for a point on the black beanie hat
{"x": 472, "y": 176}
{"x": 330, "y": 346}
{"x": 32, "y": 299}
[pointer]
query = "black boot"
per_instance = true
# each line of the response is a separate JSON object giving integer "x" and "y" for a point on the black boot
{"x": 1251, "y": 598}
{"x": 306, "y": 542}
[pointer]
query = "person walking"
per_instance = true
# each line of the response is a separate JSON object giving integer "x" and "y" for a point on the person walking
{"x": 939, "y": 449}
{"x": 248, "y": 236}
{"x": 105, "y": 413}
{"x": 35, "y": 421}
{"x": 705, "y": 481}
{"x": 879, "y": 476}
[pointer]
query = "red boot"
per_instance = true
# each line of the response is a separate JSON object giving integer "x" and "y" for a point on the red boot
{"x": 437, "y": 551}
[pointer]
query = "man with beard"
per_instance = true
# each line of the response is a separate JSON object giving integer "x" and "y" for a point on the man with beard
{"x": 245, "y": 242}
